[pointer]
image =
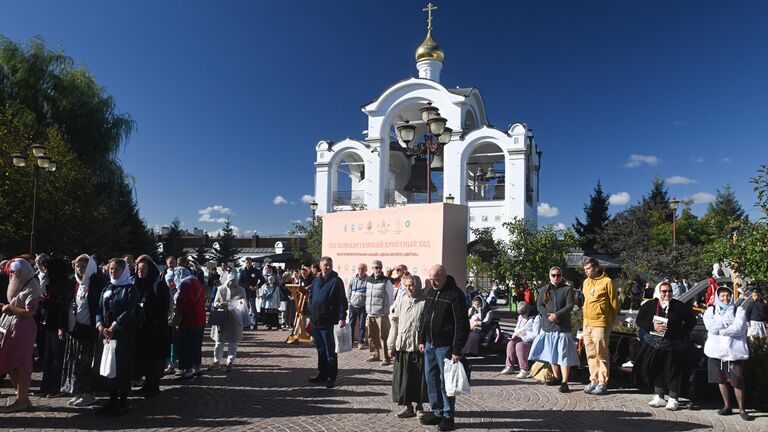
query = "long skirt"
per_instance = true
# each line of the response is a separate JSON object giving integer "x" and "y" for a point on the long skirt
{"x": 408, "y": 383}
{"x": 554, "y": 348}
{"x": 660, "y": 369}
{"x": 79, "y": 374}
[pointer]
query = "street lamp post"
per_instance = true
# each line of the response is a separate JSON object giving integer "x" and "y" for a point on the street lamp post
{"x": 313, "y": 206}
{"x": 438, "y": 135}
{"x": 673, "y": 204}
{"x": 44, "y": 163}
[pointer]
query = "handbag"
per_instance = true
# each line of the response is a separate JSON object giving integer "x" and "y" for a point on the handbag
{"x": 218, "y": 317}
{"x": 108, "y": 367}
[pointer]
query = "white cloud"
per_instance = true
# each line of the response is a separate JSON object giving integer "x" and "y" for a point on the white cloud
{"x": 701, "y": 198}
{"x": 619, "y": 198}
{"x": 635, "y": 160}
{"x": 309, "y": 218}
{"x": 296, "y": 221}
{"x": 279, "y": 200}
{"x": 307, "y": 199}
{"x": 206, "y": 214}
{"x": 679, "y": 180}
{"x": 697, "y": 159}
{"x": 547, "y": 211}
{"x": 560, "y": 226}
{"x": 726, "y": 160}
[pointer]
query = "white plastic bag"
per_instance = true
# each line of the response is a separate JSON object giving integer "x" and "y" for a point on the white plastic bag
{"x": 343, "y": 338}
{"x": 455, "y": 377}
{"x": 109, "y": 360}
{"x": 240, "y": 309}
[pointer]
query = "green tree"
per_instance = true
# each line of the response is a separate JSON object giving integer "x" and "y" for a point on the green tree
{"x": 596, "y": 216}
{"x": 201, "y": 256}
{"x": 313, "y": 233}
{"x": 483, "y": 254}
{"x": 724, "y": 213}
{"x": 657, "y": 201}
{"x": 172, "y": 241}
{"x": 227, "y": 252}
{"x": 48, "y": 99}
{"x": 747, "y": 248}
{"x": 530, "y": 252}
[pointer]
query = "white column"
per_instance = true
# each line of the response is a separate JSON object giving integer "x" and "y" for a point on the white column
{"x": 323, "y": 194}
{"x": 430, "y": 69}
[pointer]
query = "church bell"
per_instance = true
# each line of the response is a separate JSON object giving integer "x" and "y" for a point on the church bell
{"x": 418, "y": 180}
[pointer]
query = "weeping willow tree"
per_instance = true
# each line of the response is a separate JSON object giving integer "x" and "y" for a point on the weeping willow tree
{"x": 45, "y": 97}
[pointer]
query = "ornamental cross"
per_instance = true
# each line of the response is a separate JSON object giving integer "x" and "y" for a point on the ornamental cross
{"x": 430, "y": 7}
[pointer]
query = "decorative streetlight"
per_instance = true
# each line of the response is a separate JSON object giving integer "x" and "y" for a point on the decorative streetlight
{"x": 673, "y": 204}
{"x": 438, "y": 135}
{"x": 44, "y": 163}
{"x": 313, "y": 206}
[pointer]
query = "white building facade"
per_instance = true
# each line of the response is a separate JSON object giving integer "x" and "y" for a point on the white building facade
{"x": 494, "y": 172}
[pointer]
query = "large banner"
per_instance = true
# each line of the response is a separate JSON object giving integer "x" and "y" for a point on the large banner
{"x": 418, "y": 236}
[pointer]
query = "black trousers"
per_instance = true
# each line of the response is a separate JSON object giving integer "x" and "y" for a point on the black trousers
{"x": 53, "y": 363}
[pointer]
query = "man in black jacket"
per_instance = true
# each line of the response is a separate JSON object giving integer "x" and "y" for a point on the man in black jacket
{"x": 327, "y": 307}
{"x": 251, "y": 279}
{"x": 444, "y": 331}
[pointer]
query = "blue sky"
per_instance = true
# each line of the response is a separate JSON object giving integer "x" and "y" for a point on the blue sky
{"x": 230, "y": 97}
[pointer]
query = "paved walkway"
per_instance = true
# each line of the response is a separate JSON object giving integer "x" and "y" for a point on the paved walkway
{"x": 268, "y": 391}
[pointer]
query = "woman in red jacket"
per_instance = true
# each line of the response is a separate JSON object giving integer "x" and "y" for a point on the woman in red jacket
{"x": 190, "y": 304}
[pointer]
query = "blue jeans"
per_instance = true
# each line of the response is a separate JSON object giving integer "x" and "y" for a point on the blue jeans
{"x": 327, "y": 359}
{"x": 439, "y": 401}
{"x": 359, "y": 313}
{"x": 252, "y": 312}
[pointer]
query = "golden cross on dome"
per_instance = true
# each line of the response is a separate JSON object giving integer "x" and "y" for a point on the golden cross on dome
{"x": 430, "y": 7}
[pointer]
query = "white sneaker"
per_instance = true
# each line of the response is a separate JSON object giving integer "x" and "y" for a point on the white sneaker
{"x": 73, "y": 400}
{"x": 629, "y": 365}
{"x": 524, "y": 374}
{"x": 506, "y": 371}
{"x": 672, "y": 405}
{"x": 657, "y": 402}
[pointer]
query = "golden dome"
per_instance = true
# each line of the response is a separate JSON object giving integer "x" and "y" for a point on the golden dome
{"x": 429, "y": 49}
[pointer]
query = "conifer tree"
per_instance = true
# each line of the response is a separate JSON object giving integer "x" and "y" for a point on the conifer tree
{"x": 724, "y": 211}
{"x": 172, "y": 243}
{"x": 227, "y": 252}
{"x": 596, "y": 216}
{"x": 657, "y": 201}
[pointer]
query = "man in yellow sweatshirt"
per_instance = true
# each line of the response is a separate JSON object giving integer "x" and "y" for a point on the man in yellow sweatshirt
{"x": 601, "y": 305}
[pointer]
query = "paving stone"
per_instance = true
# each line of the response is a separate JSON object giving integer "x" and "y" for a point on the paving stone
{"x": 268, "y": 391}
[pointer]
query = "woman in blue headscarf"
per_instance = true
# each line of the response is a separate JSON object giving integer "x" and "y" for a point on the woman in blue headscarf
{"x": 190, "y": 304}
{"x": 727, "y": 348}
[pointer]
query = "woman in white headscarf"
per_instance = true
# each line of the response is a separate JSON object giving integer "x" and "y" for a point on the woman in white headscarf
{"x": 18, "y": 330}
{"x": 727, "y": 349}
{"x": 231, "y": 332}
{"x": 116, "y": 321}
{"x": 78, "y": 326}
{"x": 662, "y": 357}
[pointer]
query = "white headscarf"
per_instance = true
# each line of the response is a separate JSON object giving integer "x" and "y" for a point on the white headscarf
{"x": 125, "y": 278}
{"x": 22, "y": 280}
{"x": 90, "y": 270}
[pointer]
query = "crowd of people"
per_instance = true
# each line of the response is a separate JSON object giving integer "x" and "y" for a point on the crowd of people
{"x": 96, "y": 326}
{"x": 67, "y": 315}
